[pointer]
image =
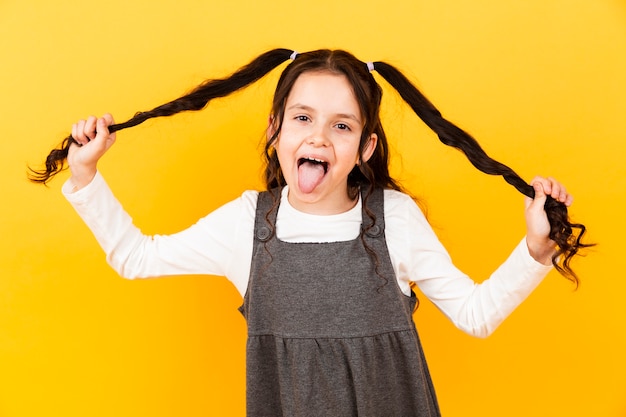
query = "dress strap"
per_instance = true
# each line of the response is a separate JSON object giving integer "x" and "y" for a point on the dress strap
{"x": 266, "y": 212}
{"x": 373, "y": 213}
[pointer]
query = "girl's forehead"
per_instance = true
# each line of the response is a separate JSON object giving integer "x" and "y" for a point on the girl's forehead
{"x": 322, "y": 76}
{"x": 323, "y": 88}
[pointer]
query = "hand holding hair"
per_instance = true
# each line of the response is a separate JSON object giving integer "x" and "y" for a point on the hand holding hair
{"x": 90, "y": 141}
{"x": 540, "y": 245}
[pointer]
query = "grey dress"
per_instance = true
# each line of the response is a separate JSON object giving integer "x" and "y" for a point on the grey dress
{"x": 329, "y": 332}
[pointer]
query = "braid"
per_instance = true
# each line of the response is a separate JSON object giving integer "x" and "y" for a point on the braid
{"x": 197, "y": 99}
{"x": 561, "y": 229}
{"x": 567, "y": 235}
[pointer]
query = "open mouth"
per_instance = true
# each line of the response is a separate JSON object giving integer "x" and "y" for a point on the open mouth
{"x": 314, "y": 162}
{"x": 311, "y": 172}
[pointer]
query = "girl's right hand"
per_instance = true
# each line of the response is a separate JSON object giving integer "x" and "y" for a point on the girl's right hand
{"x": 94, "y": 140}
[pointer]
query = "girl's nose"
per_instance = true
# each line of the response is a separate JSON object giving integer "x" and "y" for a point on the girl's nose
{"x": 318, "y": 137}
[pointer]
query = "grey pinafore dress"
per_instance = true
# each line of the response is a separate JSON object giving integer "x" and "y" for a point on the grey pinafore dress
{"x": 329, "y": 334}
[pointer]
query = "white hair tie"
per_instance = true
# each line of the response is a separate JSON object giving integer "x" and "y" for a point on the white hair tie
{"x": 293, "y": 56}
{"x": 370, "y": 66}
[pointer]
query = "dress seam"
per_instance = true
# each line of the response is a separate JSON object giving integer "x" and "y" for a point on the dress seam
{"x": 365, "y": 336}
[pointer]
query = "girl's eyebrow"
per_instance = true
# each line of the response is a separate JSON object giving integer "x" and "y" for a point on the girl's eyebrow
{"x": 298, "y": 106}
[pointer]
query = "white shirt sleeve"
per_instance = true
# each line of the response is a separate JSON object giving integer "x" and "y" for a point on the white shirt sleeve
{"x": 221, "y": 244}
{"x": 419, "y": 257}
{"x": 215, "y": 245}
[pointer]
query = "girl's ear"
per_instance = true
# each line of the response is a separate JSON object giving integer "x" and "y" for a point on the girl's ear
{"x": 271, "y": 127}
{"x": 370, "y": 146}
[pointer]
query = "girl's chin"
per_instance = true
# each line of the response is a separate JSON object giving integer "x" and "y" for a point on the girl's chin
{"x": 318, "y": 202}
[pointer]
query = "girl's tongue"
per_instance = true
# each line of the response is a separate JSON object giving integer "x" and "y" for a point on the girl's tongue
{"x": 310, "y": 174}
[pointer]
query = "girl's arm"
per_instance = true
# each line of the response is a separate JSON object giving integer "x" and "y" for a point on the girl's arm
{"x": 215, "y": 245}
{"x": 476, "y": 308}
{"x": 208, "y": 247}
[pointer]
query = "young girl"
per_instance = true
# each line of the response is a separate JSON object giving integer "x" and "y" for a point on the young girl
{"x": 326, "y": 257}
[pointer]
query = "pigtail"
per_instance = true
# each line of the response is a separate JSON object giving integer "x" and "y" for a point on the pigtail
{"x": 197, "y": 99}
{"x": 567, "y": 235}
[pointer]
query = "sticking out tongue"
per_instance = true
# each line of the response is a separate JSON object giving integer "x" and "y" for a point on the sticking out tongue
{"x": 310, "y": 174}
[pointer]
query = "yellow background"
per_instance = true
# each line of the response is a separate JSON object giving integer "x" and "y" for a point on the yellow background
{"x": 540, "y": 83}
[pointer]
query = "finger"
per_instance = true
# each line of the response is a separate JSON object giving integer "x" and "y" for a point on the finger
{"x": 78, "y": 132}
{"x": 546, "y": 184}
{"x": 102, "y": 128}
{"x": 108, "y": 119}
{"x": 551, "y": 187}
{"x": 104, "y": 139}
{"x": 559, "y": 193}
{"x": 540, "y": 192}
{"x": 555, "y": 188}
{"x": 537, "y": 203}
{"x": 564, "y": 197}
{"x": 90, "y": 128}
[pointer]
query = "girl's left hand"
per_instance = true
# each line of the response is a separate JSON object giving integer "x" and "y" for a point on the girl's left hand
{"x": 540, "y": 246}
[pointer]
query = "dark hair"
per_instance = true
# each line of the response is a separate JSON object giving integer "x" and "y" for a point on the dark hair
{"x": 372, "y": 173}
{"x": 368, "y": 174}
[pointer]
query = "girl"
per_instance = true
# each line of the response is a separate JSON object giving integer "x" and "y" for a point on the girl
{"x": 326, "y": 257}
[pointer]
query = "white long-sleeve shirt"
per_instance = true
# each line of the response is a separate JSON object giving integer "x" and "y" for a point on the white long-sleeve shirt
{"x": 221, "y": 244}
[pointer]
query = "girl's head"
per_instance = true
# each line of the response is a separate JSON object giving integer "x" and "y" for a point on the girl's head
{"x": 371, "y": 162}
{"x": 325, "y": 100}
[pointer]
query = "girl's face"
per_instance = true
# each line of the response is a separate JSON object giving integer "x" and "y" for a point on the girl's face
{"x": 318, "y": 145}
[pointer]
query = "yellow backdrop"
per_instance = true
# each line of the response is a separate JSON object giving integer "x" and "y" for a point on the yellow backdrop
{"x": 540, "y": 83}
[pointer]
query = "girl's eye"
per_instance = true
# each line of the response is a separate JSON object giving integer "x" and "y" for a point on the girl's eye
{"x": 302, "y": 118}
{"x": 343, "y": 126}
